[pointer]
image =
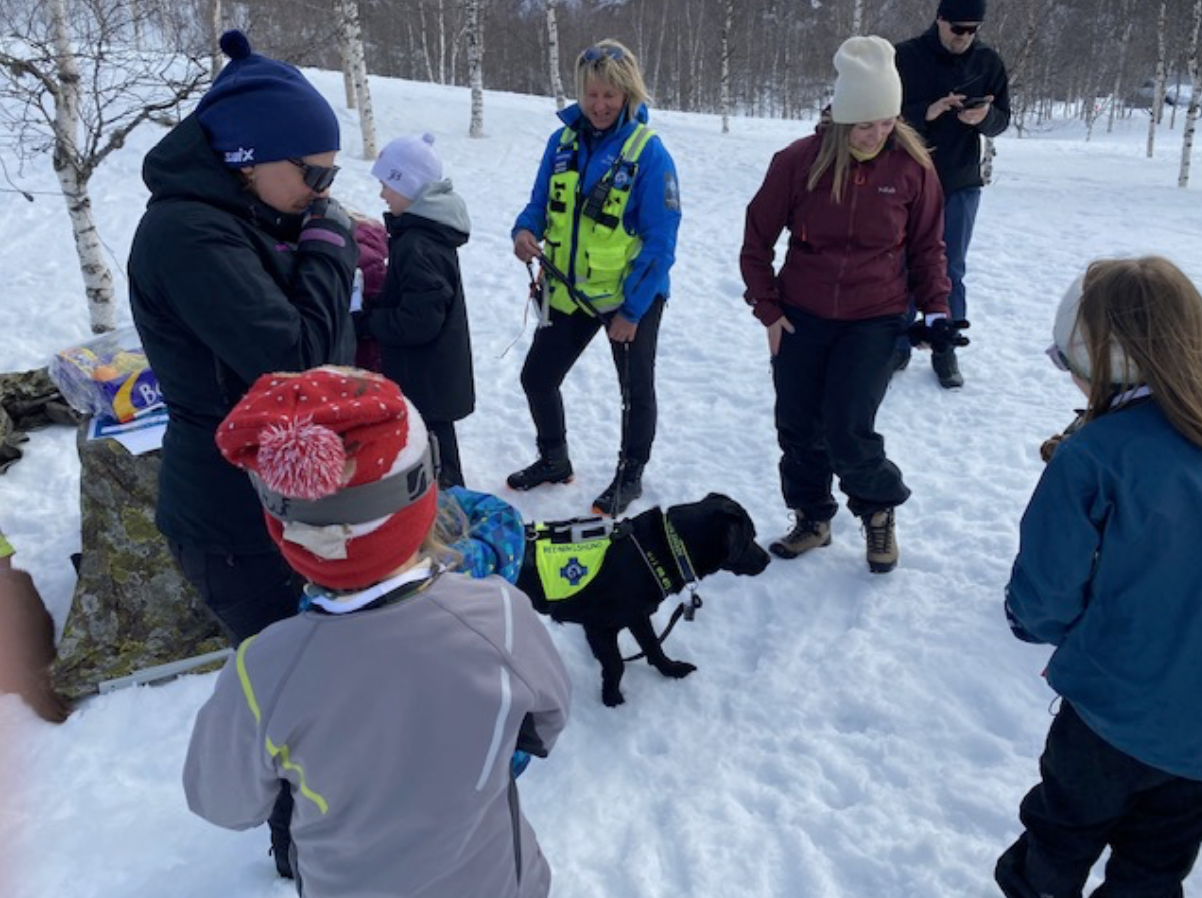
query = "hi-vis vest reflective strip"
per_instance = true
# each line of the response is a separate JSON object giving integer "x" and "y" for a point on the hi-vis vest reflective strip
{"x": 276, "y": 751}
{"x": 604, "y": 248}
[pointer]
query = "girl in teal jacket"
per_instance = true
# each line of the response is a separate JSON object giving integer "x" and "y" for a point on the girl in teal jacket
{"x": 1107, "y": 573}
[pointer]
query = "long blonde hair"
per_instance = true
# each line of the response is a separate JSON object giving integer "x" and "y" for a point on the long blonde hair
{"x": 836, "y": 151}
{"x": 612, "y": 62}
{"x": 1153, "y": 312}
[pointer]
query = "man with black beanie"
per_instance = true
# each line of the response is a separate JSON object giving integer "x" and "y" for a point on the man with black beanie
{"x": 954, "y": 90}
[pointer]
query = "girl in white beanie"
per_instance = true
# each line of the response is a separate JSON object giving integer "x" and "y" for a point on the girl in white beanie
{"x": 1105, "y": 574}
{"x": 419, "y": 319}
{"x": 865, "y": 211}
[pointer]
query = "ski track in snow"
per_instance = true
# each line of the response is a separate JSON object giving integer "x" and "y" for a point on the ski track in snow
{"x": 847, "y": 735}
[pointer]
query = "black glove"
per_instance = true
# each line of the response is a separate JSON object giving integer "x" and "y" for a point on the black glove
{"x": 941, "y": 335}
{"x": 325, "y": 210}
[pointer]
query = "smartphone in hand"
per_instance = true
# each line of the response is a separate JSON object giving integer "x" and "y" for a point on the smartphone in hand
{"x": 974, "y": 102}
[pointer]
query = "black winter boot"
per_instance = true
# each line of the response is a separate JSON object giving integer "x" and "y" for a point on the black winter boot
{"x": 626, "y": 486}
{"x": 947, "y": 369}
{"x": 552, "y": 466}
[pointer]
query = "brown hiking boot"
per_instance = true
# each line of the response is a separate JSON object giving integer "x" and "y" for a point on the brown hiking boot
{"x": 805, "y": 535}
{"x": 882, "y": 541}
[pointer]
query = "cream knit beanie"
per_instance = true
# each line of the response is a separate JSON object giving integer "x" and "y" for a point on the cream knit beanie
{"x": 868, "y": 87}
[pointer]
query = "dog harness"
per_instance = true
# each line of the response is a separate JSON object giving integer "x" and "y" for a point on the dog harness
{"x": 569, "y": 554}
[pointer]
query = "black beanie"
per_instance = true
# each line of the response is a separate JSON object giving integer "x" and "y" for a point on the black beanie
{"x": 262, "y": 110}
{"x": 962, "y": 10}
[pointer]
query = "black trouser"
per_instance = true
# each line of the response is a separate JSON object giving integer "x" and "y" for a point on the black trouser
{"x": 830, "y": 377}
{"x": 246, "y": 593}
{"x": 450, "y": 472}
{"x": 553, "y": 353}
{"x": 1093, "y": 795}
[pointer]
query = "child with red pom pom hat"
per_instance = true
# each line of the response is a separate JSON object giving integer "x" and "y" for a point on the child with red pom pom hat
{"x": 393, "y": 704}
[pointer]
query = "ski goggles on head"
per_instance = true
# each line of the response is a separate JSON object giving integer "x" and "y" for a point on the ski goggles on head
{"x": 1059, "y": 359}
{"x": 316, "y": 177}
{"x": 596, "y": 54}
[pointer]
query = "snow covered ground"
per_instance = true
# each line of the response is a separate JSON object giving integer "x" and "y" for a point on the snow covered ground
{"x": 846, "y": 736}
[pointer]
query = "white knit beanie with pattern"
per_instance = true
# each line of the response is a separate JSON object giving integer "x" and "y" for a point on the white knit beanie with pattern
{"x": 868, "y": 87}
{"x": 408, "y": 164}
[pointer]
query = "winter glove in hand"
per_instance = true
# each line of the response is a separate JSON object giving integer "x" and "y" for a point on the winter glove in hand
{"x": 519, "y": 762}
{"x": 325, "y": 210}
{"x": 941, "y": 334}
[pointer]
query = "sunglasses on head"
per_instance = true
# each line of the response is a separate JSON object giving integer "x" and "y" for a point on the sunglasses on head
{"x": 594, "y": 54}
{"x": 1059, "y": 359}
{"x": 964, "y": 29}
{"x": 316, "y": 177}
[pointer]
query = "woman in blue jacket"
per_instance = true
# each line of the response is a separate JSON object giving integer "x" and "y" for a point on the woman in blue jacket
{"x": 606, "y": 208}
{"x": 1107, "y": 573}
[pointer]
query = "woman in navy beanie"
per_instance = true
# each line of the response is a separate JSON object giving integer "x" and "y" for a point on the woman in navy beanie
{"x": 242, "y": 265}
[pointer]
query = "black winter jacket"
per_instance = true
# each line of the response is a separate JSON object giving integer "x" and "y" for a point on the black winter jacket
{"x": 420, "y": 316}
{"x": 223, "y": 289}
{"x": 929, "y": 72}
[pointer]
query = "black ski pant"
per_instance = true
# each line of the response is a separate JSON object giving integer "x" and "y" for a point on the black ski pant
{"x": 1093, "y": 795}
{"x": 450, "y": 471}
{"x": 247, "y": 593}
{"x": 553, "y": 353}
{"x": 830, "y": 378}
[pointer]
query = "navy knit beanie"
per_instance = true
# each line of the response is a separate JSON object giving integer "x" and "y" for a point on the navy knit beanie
{"x": 263, "y": 110}
{"x": 962, "y": 10}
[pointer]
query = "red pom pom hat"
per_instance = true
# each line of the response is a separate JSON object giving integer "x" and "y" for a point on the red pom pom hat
{"x": 344, "y": 468}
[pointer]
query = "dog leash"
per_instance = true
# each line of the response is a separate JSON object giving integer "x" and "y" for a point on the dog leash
{"x": 688, "y": 575}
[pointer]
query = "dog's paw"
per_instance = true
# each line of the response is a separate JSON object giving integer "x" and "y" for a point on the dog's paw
{"x": 611, "y": 696}
{"x": 677, "y": 670}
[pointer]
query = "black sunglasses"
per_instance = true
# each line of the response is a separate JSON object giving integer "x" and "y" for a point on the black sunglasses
{"x": 964, "y": 29}
{"x": 316, "y": 177}
{"x": 595, "y": 54}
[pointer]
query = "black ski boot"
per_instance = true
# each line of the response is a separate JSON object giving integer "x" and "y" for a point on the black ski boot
{"x": 552, "y": 466}
{"x": 626, "y": 486}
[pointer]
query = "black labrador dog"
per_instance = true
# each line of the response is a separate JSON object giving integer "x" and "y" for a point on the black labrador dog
{"x": 648, "y": 560}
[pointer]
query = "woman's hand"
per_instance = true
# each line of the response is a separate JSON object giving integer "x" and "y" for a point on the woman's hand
{"x": 774, "y": 334}
{"x": 622, "y": 330}
{"x": 525, "y": 246}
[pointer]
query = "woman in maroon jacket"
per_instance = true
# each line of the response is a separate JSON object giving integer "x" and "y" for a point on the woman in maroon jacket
{"x": 864, "y": 209}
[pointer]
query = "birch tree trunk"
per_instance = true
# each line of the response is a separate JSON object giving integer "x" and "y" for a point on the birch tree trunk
{"x": 724, "y": 100}
{"x": 442, "y": 42}
{"x": 1157, "y": 111}
{"x": 345, "y": 54}
{"x": 475, "y": 66}
{"x": 73, "y": 178}
{"x": 357, "y": 64}
{"x": 1195, "y": 79}
{"x": 217, "y": 58}
{"x": 561, "y": 99}
{"x": 857, "y": 17}
{"x": 1121, "y": 69}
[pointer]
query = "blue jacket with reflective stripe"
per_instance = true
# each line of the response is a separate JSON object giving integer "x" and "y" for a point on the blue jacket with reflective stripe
{"x": 653, "y": 211}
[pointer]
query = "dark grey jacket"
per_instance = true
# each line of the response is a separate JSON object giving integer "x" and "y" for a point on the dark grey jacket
{"x": 223, "y": 289}
{"x": 395, "y": 726}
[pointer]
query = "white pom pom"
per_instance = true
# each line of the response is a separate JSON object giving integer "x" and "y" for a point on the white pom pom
{"x": 301, "y": 459}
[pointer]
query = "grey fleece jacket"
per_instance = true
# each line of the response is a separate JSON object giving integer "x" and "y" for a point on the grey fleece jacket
{"x": 395, "y": 726}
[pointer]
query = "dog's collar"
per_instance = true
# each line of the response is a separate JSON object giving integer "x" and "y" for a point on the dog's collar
{"x": 680, "y": 552}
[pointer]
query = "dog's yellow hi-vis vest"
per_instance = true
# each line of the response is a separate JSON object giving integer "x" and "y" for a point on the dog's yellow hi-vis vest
{"x": 603, "y": 246}
{"x": 568, "y": 554}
